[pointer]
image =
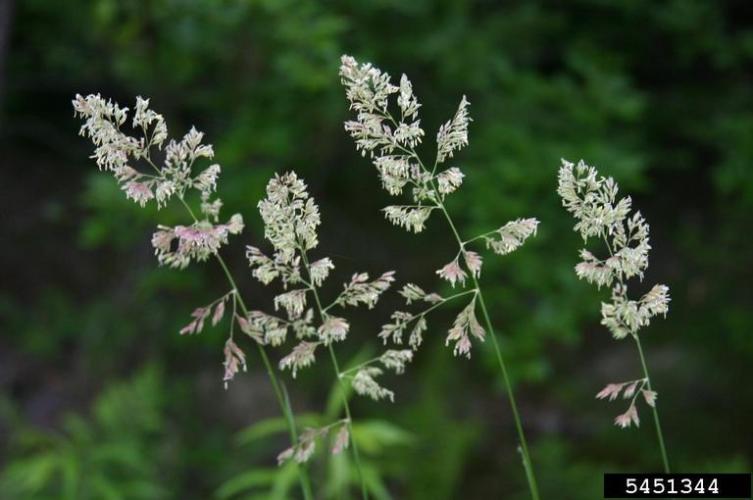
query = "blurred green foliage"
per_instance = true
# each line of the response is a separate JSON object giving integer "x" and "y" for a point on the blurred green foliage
{"x": 657, "y": 95}
{"x": 115, "y": 454}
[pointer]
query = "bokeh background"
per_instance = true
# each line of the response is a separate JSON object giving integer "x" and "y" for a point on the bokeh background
{"x": 100, "y": 396}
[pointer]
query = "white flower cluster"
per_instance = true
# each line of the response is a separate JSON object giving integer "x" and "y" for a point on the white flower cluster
{"x": 290, "y": 216}
{"x": 122, "y": 153}
{"x": 361, "y": 290}
{"x": 143, "y": 179}
{"x": 368, "y": 89}
{"x": 365, "y": 384}
{"x": 103, "y": 119}
{"x": 511, "y": 236}
{"x": 396, "y": 359}
{"x": 625, "y": 317}
{"x": 301, "y": 356}
{"x": 198, "y": 241}
{"x": 291, "y": 219}
{"x": 267, "y": 329}
{"x": 364, "y": 381}
{"x": 453, "y": 135}
{"x": 390, "y": 142}
{"x": 592, "y": 199}
{"x": 411, "y": 218}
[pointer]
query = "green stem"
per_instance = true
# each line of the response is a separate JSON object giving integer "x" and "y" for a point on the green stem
{"x": 346, "y": 406}
{"x": 277, "y": 387}
{"x": 527, "y": 465}
{"x": 360, "y": 365}
{"x": 659, "y": 434}
{"x": 532, "y": 485}
{"x": 341, "y": 384}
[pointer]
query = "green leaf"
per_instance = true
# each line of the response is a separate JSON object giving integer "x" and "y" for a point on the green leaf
{"x": 272, "y": 426}
{"x": 285, "y": 479}
{"x": 372, "y": 436}
{"x": 246, "y": 481}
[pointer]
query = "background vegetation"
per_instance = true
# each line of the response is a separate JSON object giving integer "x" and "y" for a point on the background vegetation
{"x": 102, "y": 399}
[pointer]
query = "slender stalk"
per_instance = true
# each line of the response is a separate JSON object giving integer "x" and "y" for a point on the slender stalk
{"x": 659, "y": 434}
{"x": 341, "y": 384}
{"x": 438, "y": 203}
{"x": 360, "y": 365}
{"x": 527, "y": 464}
{"x": 278, "y": 388}
{"x": 346, "y": 406}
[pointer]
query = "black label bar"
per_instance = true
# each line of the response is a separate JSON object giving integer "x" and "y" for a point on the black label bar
{"x": 677, "y": 485}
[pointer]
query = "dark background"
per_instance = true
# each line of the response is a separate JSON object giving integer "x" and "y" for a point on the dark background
{"x": 101, "y": 398}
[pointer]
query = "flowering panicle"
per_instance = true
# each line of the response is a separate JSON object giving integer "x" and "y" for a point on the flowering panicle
{"x": 390, "y": 142}
{"x": 415, "y": 324}
{"x": 449, "y": 180}
{"x": 293, "y": 302}
{"x": 290, "y": 217}
{"x": 320, "y": 270}
{"x": 291, "y": 220}
{"x": 375, "y": 131}
{"x": 143, "y": 179}
{"x": 103, "y": 119}
{"x": 625, "y": 317}
{"x": 121, "y": 153}
{"x": 266, "y": 269}
{"x": 593, "y": 201}
{"x": 368, "y": 90}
